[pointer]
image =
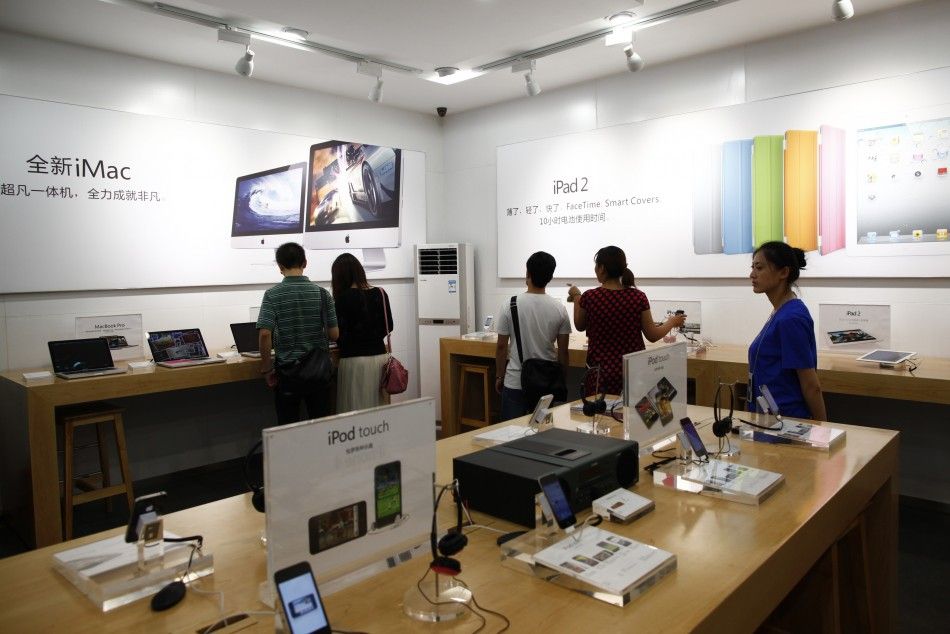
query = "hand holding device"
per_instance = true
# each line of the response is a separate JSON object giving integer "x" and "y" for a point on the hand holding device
{"x": 573, "y": 293}
{"x": 557, "y": 500}
{"x": 300, "y": 600}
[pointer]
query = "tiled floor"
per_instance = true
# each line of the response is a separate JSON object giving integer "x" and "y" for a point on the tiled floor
{"x": 923, "y": 554}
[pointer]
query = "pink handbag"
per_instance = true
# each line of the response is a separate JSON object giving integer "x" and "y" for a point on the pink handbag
{"x": 395, "y": 378}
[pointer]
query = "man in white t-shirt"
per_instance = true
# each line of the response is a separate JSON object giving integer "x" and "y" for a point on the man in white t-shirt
{"x": 543, "y": 320}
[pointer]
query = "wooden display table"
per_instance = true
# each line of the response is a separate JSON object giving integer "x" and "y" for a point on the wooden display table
{"x": 28, "y": 420}
{"x": 838, "y": 373}
{"x": 736, "y": 563}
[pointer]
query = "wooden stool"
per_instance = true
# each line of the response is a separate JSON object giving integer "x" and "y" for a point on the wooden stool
{"x": 92, "y": 414}
{"x": 466, "y": 369}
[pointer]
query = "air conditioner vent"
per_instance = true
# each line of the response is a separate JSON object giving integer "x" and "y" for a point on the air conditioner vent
{"x": 438, "y": 261}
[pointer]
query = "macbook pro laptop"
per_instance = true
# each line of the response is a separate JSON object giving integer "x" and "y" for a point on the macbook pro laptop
{"x": 245, "y": 338}
{"x": 81, "y": 358}
{"x": 179, "y": 348}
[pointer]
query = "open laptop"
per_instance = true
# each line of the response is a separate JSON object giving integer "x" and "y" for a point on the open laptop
{"x": 82, "y": 358}
{"x": 179, "y": 348}
{"x": 245, "y": 338}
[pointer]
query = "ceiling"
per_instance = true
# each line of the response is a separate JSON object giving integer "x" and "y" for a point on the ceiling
{"x": 423, "y": 34}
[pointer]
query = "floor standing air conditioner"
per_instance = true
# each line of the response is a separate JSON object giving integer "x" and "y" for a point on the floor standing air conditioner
{"x": 445, "y": 292}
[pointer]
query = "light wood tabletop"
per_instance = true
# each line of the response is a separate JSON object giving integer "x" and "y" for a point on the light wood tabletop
{"x": 736, "y": 563}
{"x": 838, "y": 372}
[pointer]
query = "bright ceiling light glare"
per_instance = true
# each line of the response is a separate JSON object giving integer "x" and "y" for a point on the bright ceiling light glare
{"x": 245, "y": 65}
{"x": 376, "y": 92}
{"x": 634, "y": 61}
{"x": 448, "y": 75}
{"x": 531, "y": 85}
{"x": 842, "y": 10}
{"x": 294, "y": 32}
{"x": 622, "y": 24}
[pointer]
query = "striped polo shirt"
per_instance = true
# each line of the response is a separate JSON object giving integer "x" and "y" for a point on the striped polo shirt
{"x": 293, "y": 311}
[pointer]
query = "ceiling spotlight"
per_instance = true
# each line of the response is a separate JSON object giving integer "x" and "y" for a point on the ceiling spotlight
{"x": 446, "y": 71}
{"x": 531, "y": 85}
{"x": 842, "y": 10}
{"x": 245, "y": 65}
{"x": 294, "y": 32}
{"x": 376, "y": 93}
{"x": 634, "y": 61}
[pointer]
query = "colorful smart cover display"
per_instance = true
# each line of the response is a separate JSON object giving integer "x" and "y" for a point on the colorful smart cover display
{"x": 903, "y": 183}
{"x": 737, "y": 196}
{"x": 768, "y": 163}
{"x": 801, "y": 189}
{"x": 831, "y": 189}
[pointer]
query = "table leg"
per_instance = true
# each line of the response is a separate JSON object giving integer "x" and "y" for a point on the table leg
{"x": 47, "y": 521}
{"x": 448, "y": 374}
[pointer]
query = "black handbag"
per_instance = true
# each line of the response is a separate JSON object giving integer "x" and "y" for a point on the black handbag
{"x": 538, "y": 376}
{"x": 314, "y": 369}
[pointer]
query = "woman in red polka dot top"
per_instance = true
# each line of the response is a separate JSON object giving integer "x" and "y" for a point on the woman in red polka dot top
{"x": 616, "y": 316}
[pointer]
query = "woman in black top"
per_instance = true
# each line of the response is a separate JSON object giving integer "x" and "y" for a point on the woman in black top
{"x": 363, "y": 330}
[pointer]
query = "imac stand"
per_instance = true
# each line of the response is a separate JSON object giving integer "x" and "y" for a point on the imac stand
{"x": 374, "y": 259}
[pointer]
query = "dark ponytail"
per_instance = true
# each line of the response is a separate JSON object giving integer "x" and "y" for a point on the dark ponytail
{"x": 614, "y": 261}
{"x": 781, "y": 255}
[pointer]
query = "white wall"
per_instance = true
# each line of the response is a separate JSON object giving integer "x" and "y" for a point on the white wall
{"x": 53, "y": 71}
{"x": 857, "y": 52}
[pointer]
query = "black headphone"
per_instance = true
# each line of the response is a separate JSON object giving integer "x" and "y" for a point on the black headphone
{"x": 597, "y": 405}
{"x": 452, "y": 542}
{"x": 257, "y": 490}
{"x": 722, "y": 426}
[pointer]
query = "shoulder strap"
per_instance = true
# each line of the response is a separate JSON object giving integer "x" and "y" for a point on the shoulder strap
{"x": 517, "y": 326}
{"x": 389, "y": 345}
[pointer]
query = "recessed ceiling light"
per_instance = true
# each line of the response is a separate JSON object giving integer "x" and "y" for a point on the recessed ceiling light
{"x": 448, "y": 75}
{"x": 294, "y": 32}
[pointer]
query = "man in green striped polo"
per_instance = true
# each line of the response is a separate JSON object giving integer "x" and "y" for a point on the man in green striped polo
{"x": 296, "y": 316}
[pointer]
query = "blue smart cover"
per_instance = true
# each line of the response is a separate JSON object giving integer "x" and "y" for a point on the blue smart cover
{"x": 737, "y": 196}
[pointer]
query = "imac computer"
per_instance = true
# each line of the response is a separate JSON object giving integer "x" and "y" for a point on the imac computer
{"x": 269, "y": 207}
{"x": 354, "y": 199}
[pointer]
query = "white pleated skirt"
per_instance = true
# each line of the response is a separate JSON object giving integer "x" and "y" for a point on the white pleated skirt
{"x": 357, "y": 383}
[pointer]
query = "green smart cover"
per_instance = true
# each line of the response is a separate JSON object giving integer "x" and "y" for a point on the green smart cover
{"x": 767, "y": 188}
{"x": 801, "y": 189}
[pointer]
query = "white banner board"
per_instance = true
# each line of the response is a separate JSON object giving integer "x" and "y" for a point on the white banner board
{"x": 853, "y": 328}
{"x": 99, "y": 199}
{"x": 124, "y": 333}
{"x": 350, "y": 491}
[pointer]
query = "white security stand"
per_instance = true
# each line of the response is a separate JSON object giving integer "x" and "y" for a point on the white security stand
{"x": 519, "y": 554}
{"x": 374, "y": 259}
{"x": 112, "y": 573}
{"x": 435, "y": 599}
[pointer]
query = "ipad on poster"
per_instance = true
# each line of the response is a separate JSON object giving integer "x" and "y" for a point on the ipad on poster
{"x": 354, "y": 195}
{"x": 886, "y": 357}
{"x": 268, "y": 207}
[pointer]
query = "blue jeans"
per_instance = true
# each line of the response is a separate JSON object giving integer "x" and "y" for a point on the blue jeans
{"x": 512, "y": 404}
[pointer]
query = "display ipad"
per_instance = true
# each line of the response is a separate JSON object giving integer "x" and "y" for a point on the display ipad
{"x": 886, "y": 357}
{"x": 856, "y": 335}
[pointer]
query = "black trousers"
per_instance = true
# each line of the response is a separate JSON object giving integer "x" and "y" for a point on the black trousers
{"x": 288, "y": 397}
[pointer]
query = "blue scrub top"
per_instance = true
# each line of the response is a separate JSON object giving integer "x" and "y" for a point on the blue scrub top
{"x": 785, "y": 344}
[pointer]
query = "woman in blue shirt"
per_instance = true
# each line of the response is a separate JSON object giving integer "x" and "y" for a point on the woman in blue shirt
{"x": 783, "y": 356}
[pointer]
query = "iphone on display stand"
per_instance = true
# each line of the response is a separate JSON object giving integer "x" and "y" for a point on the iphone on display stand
{"x": 695, "y": 442}
{"x": 300, "y": 601}
{"x": 560, "y": 508}
{"x": 540, "y": 410}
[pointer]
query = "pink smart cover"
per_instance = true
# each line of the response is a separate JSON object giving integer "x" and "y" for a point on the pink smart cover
{"x": 831, "y": 189}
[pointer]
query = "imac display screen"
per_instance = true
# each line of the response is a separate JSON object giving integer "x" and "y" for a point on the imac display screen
{"x": 353, "y": 187}
{"x": 269, "y": 202}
